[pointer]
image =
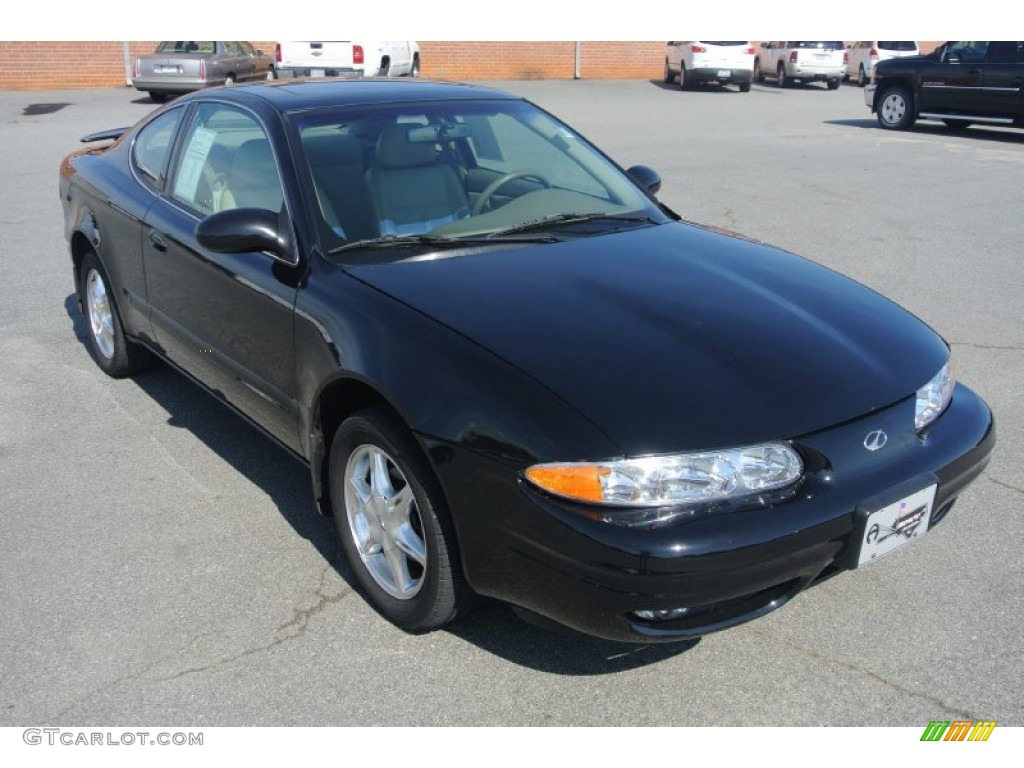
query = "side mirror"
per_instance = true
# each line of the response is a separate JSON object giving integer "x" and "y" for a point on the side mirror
{"x": 241, "y": 230}
{"x": 646, "y": 177}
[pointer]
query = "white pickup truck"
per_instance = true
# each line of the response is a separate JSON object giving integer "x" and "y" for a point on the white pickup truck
{"x": 346, "y": 58}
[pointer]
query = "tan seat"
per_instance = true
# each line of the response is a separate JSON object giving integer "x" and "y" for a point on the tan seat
{"x": 410, "y": 189}
{"x": 336, "y": 162}
{"x": 253, "y": 181}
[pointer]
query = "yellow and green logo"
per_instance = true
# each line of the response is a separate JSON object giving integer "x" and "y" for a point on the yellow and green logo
{"x": 958, "y": 730}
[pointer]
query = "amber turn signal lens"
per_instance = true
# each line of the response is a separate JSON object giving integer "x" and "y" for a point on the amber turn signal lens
{"x": 575, "y": 482}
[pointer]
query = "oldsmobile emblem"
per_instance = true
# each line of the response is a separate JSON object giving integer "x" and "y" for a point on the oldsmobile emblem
{"x": 876, "y": 440}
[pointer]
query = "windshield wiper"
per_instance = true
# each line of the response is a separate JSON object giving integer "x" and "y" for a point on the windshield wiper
{"x": 574, "y": 218}
{"x": 435, "y": 241}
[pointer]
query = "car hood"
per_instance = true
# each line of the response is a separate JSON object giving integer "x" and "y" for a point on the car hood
{"x": 676, "y": 338}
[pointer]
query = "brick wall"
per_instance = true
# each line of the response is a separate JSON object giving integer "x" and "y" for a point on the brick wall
{"x": 43, "y": 65}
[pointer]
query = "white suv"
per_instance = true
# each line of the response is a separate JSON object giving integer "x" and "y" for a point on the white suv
{"x": 698, "y": 61}
{"x": 805, "y": 61}
{"x": 864, "y": 54}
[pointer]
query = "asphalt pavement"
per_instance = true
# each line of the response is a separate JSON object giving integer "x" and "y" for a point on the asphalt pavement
{"x": 161, "y": 562}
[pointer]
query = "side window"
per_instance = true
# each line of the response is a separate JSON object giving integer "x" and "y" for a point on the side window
{"x": 968, "y": 51}
{"x": 234, "y": 48}
{"x": 152, "y": 147}
{"x": 1006, "y": 52}
{"x": 226, "y": 162}
{"x": 247, "y": 49}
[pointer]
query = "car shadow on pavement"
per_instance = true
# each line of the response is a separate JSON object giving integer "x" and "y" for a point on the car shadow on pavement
{"x": 982, "y": 133}
{"x": 267, "y": 466}
{"x": 694, "y": 89}
{"x": 493, "y": 627}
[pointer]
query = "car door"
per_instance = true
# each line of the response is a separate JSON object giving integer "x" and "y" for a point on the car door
{"x": 1003, "y": 80}
{"x": 224, "y": 318}
{"x": 241, "y": 63}
{"x": 258, "y": 63}
{"x": 952, "y": 82}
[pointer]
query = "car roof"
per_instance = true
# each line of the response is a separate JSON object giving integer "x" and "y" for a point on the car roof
{"x": 294, "y": 95}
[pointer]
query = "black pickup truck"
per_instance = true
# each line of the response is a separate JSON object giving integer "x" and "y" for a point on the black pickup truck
{"x": 959, "y": 83}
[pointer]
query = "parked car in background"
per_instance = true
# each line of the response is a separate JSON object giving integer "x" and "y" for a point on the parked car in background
{"x": 864, "y": 54}
{"x": 698, "y": 61}
{"x": 960, "y": 83}
{"x": 510, "y": 370}
{"x": 347, "y": 58}
{"x": 801, "y": 61}
{"x": 181, "y": 66}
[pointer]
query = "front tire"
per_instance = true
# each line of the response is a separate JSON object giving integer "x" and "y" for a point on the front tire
{"x": 107, "y": 342}
{"x": 393, "y": 523}
{"x": 895, "y": 108}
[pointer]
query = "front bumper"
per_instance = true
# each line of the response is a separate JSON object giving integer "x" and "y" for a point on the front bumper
{"x": 869, "y": 95}
{"x": 547, "y": 556}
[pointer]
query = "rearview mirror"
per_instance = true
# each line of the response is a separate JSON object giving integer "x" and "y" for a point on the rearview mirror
{"x": 241, "y": 230}
{"x": 646, "y": 177}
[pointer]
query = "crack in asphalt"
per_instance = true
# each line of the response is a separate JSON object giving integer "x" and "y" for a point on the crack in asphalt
{"x": 293, "y": 628}
{"x": 994, "y": 347}
{"x": 1003, "y": 484}
{"x": 289, "y": 630}
{"x": 960, "y": 714}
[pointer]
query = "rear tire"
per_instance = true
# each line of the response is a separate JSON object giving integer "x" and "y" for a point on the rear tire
{"x": 780, "y": 76}
{"x": 744, "y": 87}
{"x": 415, "y": 71}
{"x": 158, "y": 96}
{"x": 833, "y": 85}
{"x": 862, "y": 78}
{"x": 684, "y": 81}
{"x": 668, "y": 77}
{"x": 758, "y": 74}
{"x": 108, "y": 345}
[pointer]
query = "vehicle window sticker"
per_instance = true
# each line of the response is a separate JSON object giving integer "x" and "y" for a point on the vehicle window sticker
{"x": 187, "y": 181}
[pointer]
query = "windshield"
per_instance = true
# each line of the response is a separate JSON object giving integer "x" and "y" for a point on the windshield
{"x": 459, "y": 170}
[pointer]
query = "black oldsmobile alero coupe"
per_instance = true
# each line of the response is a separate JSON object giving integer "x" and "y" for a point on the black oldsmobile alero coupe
{"x": 511, "y": 371}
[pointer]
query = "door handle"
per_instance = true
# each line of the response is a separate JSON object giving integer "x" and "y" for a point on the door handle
{"x": 157, "y": 240}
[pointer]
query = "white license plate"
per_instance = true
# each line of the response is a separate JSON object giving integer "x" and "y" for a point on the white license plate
{"x": 725, "y": 73}
{"x": 316, "y": 73}
{"x": 899, "y": 523}
{"x": 166, "y": 70}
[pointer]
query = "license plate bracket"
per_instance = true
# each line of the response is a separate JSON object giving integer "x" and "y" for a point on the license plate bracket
{"x": 888, "y": 523}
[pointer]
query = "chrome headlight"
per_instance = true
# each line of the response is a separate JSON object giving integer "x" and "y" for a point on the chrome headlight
{"x": 933, "y": 397}
{"x": 684, "y": 479}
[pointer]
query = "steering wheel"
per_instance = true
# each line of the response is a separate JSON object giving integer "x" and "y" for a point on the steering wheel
{"x": 500, "y": 182}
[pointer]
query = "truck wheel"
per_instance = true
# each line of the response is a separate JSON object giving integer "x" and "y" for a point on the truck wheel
{"x": 862, "y": 78}
{"x": 833, "y": 84}
{"x": 415, "y": 71}
{"x": 781, "y": 78}
{"x": 669, "y": 77}
{"x": 895, "y": 108}
{"x": 758, "y": 74}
